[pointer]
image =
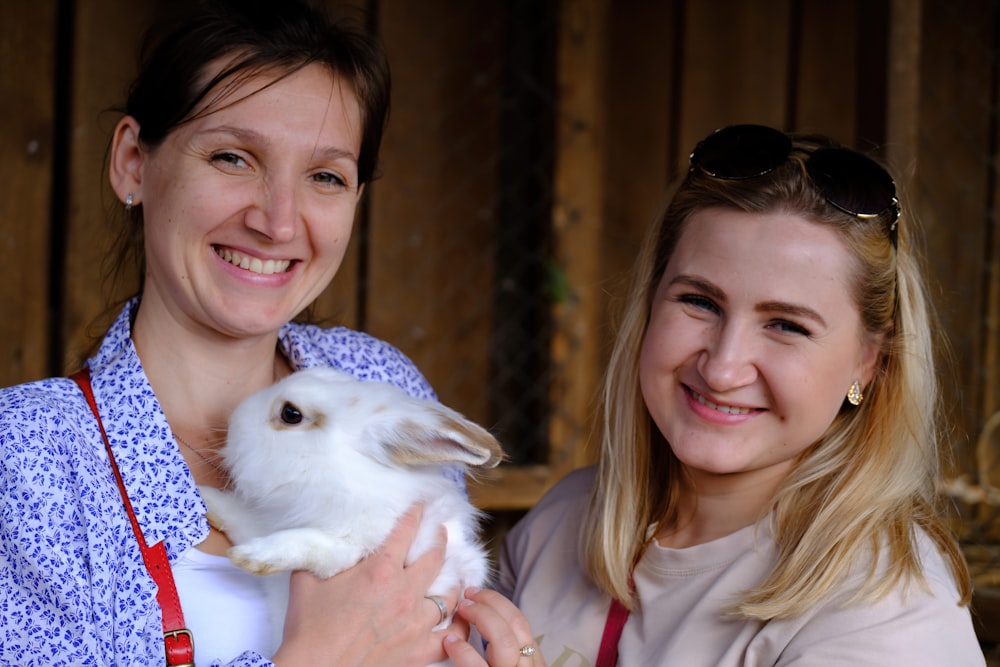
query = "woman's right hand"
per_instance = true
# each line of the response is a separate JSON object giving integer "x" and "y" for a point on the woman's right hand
{"x": 508, "y": 636}
{"x": 374, "y": 613}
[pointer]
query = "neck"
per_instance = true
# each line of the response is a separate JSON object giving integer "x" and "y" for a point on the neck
{"x": 713, "y": 506}
{"x": 199, "y": 377}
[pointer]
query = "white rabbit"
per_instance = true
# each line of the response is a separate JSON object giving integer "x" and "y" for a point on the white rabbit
{"x": 322, "y": 466}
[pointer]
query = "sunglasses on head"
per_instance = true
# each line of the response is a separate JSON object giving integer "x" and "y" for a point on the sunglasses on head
{"x": 848, "y": 180}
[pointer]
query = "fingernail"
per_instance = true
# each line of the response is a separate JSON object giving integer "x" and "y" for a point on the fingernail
{"x": 451, "y": 639}
{"x": 472, "y": 590}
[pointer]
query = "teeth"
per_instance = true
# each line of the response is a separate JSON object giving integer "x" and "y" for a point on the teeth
{"x": 253, "y": 264}
{"x": 728, "y": 409}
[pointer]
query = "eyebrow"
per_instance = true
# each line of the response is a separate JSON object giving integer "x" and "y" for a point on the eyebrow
{"x": 781, "y": 307}
{"x": 253, "y": 136}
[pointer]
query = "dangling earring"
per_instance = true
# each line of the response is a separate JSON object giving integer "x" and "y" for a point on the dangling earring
{"x": 128, "y": 202}
{"x": 854, "y": 395}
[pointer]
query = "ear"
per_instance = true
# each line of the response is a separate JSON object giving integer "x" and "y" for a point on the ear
{"x": 127, "y": 159}
{"x": 444, "y": 437}
{"x": 871, "y": 355}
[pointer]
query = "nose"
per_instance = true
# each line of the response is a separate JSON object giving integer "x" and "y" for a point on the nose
{"x": 728, "y": 360}
{"x": 275, "y": 211}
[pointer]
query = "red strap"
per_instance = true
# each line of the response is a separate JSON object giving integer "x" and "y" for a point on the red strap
{"x": 178, "y": 640}
{"x": 607, "y": 656}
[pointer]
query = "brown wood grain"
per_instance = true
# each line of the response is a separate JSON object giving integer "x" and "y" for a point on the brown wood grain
{"x": 106, "y": 35}
{"x": 735, "y": 66}
{"x": 27, "y": 151}
{"x": 433, "y": 210}
{"x": 949, "y": 198}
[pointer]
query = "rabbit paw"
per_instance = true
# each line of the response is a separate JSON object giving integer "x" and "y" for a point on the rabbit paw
{"x": 296, "y": 549}
{"x": 215, "y": 502}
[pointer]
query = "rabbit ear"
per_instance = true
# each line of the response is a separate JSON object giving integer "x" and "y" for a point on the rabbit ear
{"x": 441, "y": 438}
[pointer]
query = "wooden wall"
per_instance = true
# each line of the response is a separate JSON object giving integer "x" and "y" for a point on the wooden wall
{"x": 556, "y": 126}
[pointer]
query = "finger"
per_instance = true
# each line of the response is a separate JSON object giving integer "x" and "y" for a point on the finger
{"x": 502, "y": 641}
{"x": 441, "y": 609}
{"x": 462, "y": 653}
{"x": 503, "y": 626}
{"x": 459, "y": 627}
{"x": 504, "y": 608}
{"x": 448, "y": 604}
{"x": 397, "y": 544}
{"x": 425, "y": 568}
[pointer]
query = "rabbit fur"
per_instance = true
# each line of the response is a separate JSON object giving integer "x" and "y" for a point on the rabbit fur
{"x": 322, "y": 466}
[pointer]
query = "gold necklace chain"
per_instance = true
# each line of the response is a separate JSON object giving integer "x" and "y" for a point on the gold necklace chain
{"x": 209, "y": 462}
{"x": 280, "y": 366}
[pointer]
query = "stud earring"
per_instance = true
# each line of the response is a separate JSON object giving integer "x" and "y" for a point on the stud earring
{"x": 854, "y": 395}
{"x": 128, "y": 202}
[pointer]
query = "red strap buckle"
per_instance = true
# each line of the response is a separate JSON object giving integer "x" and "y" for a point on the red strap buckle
{"x": 180, "y": 647}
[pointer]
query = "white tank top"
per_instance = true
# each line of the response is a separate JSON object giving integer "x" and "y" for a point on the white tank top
{"x": 224, "y": 607}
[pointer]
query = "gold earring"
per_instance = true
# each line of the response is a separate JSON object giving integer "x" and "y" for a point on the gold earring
{"x": 854, "y": 395}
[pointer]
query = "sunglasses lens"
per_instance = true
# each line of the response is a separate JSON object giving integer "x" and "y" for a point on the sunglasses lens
{"x": 851, "y": 181}
{"x": 741, "y": 151}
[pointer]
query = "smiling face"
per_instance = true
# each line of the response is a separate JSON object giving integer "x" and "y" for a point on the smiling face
{"x": 248, "y": 208}
{"x": 753, "y": 340}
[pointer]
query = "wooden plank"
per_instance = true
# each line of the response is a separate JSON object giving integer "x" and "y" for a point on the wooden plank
{"x": 641, "y": 144}
{"x": 825, "y": 70}
{"x": 950, "y": 195}
{"x": 580, "y": 193}
{"x": 105, "y": 42}
{"x": 735, "y": 66}
{"x": 432, "y": 213}
{"x": 903, "y": 104}
{"x": 27, "y": 134}
{"x": 985, "y": 452}
{"x": 511, "y": 487}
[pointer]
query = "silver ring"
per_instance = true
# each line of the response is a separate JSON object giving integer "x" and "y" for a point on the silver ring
{"x": 527, "y": 651}
{"x": 442, "y": 607}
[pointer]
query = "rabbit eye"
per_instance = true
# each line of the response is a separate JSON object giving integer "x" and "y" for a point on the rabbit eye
{"x": 290, "y": 414}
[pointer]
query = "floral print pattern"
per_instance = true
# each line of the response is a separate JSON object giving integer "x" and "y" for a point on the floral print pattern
{"x": 73, "y": 587}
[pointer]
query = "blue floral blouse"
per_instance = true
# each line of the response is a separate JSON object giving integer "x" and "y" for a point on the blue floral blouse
{"x": 73, "y": 587}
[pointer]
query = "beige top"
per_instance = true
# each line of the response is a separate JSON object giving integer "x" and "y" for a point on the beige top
{"x": 682, "y": 593}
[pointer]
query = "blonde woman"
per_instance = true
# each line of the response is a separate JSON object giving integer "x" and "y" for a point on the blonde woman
{"x": 765, "y": 490}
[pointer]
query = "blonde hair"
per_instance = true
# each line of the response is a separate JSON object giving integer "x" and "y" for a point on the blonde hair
{"x": 857, "y": 495}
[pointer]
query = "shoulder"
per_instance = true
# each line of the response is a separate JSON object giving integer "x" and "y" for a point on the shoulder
{"x": 914, "y": 624}
{"x": 34, "y": 409}
{"x": 556, "y": 516}
{"x": 362, "y": 355}
{"x": 43, "y": 426}
{"x": 539, "y": 566}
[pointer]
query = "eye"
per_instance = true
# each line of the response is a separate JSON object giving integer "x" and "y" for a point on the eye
{"x": 784, "y": 326}
{"x": 328, "y": 178}
{"x": 290, "y": 414}
{"x": 229, "y": 159}
{"x": 699, "y": 301}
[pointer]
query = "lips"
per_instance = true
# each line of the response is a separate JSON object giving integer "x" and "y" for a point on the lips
{"x": 253, "y": 264}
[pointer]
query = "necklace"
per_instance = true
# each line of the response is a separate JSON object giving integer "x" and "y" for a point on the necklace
{"x": 212, "y": 464}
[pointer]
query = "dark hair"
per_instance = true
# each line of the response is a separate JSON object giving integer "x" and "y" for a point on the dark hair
{"x": 275, "y": 38}
{"x": 261, "y": 36}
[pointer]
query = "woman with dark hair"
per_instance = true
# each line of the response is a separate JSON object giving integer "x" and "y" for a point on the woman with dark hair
{"x": 245, "y": 145}
{"x": 765, "y": 492}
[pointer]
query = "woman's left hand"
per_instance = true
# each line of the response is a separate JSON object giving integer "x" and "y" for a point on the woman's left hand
{"x": 509, "y": 640}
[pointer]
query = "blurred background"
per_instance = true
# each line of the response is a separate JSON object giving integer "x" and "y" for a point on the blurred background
{"x": 531, "y": 143}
